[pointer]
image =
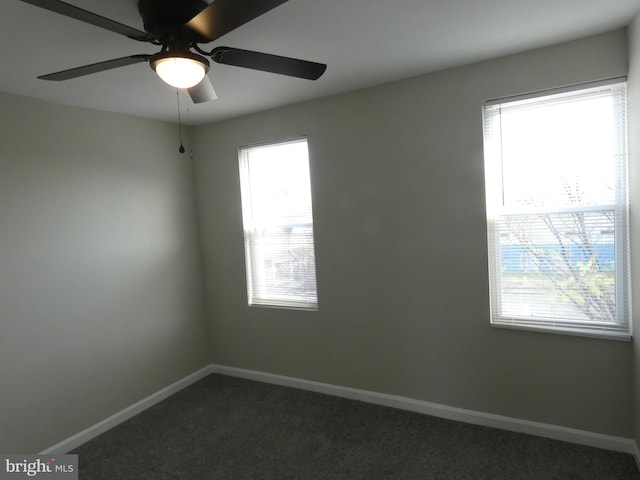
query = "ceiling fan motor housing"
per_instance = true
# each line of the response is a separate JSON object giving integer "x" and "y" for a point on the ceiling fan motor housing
{"x": 165, "y": 19}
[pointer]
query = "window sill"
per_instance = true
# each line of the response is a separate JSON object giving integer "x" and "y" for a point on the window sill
{"x": 282, "y": 306}
{"x": 618, "y": 336}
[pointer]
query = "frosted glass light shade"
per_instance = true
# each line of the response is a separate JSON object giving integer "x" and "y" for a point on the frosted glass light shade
{"x": 180, "y": 72}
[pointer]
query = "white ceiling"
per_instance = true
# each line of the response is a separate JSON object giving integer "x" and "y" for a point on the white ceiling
{"x": 363, "y": 42}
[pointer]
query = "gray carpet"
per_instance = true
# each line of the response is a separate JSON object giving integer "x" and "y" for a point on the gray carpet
{"x": 228, "y": 428}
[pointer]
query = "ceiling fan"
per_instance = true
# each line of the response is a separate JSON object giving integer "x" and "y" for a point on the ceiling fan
{"x": 178, "y": 27}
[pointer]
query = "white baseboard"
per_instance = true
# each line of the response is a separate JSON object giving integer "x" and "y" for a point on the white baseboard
{"x": 123, "y": 415}
{"x": 608, "y": 442}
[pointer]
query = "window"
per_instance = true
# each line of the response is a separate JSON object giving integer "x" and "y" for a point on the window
{"x": 278, "y": 225}
{"x": 556, "y": 180}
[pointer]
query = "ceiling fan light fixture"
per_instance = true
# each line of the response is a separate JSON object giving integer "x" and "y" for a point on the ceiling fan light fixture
{"x": 180, "y": 69}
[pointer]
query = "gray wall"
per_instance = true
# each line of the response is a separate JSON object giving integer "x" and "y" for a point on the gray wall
{"x": 634, "y": 144}
{"x": 398, "y": 191}
{"x": 100, "y": 276}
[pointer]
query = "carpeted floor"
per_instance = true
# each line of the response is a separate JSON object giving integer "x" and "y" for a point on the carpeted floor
{"x": 227, "y": 428}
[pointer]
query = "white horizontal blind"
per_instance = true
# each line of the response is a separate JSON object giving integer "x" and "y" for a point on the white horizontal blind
{"x": 556, "y": 179}
{"x": 278, "y": 225}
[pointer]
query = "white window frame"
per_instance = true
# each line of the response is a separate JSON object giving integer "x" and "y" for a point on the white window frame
{"x": 263, "y": 288}
{"x": 497, "y": 211}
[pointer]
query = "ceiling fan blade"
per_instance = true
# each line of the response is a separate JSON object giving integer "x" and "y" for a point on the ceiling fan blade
{"x": 88, "y": 17}
{"x": 95, "y": 67}
{"x": 203, "y": 92}
{"x": 222, "y": 16}
{"x": 268, "y": 63}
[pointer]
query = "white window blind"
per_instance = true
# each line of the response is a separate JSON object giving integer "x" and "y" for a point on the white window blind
{"x": 278, "y": 225}
{"x": 557, "y": 210}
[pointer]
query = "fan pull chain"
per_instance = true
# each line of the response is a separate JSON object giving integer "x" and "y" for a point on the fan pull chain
{"x": 181, "y": 149}
{"x": 189, "y": 129}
